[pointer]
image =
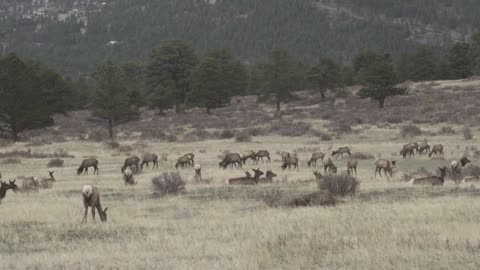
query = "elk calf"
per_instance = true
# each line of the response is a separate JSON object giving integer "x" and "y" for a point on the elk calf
{"x": 91, "y": 198}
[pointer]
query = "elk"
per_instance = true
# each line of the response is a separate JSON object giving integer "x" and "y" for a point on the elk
{"x": 423, "y": 147}
{"x": 289, "y": 162}
{"x": 458, "y": 165}
{"x": 246, "y": 180}
{"x": 91, "y": 198}
{"x": 30, "y": 184}
{"x": 131, "y": 162}
{"x": 198, "y": 173}
{"x": 191, "y": 158}
{"x": 328, "y": 165}
{"x": 415, "y": 146}
{"x": 431, "y": 180}
{"x": 315, "y": 156}
{"x": 262, "y": 154}
{"x": 87, "y": 163}
{"x": 407, "y": 149}
{"x": 46, "y": 182}
{"x": 318, "y": 176}
{"x": 352, "y": 166}
{"x": 250, "y": 154}
{"x": 183, "y": 162}
{"x": 284, "y": 156}
{"x": 268, "y": 177}
{"x": 128, "y": 177}
{"x": 340, "y": 151}
{"x": 147, "y": 158}
{"x": 385, "y": 165}
{"x": 4, "y": 187}
{"x": 232, "y": 159}
{"x": 437, "y": 150}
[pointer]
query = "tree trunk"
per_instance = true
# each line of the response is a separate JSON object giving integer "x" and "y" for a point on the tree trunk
{"x": 322, "y": 93}
{"x": 179, "y": 98}
{"x": 278, "y": 104}
{"x": 110, "y": 129}
{"x": 208, "y": 110}
{"x": 381, "y": 103}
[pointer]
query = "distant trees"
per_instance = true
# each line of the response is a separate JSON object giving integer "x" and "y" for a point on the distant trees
{"x": 280, "y": 77}
{"x": 168, "y": 73}
{"x": 29, "y": 96}
{"x": 324, "y": 76}
{"x": 380, "y": 80}
{"x": 460, "y": 63}
{"x": 112, "y": 101}
{"x": 419, "y": 66}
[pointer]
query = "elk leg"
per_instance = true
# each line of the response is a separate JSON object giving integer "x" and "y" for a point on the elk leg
{"x": 84, "y": 220}
{"x": 93, "y": 214}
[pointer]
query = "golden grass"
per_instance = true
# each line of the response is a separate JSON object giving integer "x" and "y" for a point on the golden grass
{"x": 388, "y": 225}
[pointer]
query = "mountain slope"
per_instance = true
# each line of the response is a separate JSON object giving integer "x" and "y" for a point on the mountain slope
{"x": 73, "y": 35}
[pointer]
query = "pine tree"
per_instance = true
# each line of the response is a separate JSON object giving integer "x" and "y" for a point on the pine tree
{"x": 325, "y": 76}
{"x": 460, "y": 62}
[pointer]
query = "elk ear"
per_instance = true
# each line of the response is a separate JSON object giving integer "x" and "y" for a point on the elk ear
{"x": 105, "y": 210}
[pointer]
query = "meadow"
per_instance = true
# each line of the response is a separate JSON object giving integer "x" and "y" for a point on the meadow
{"x": 388, "y": 224}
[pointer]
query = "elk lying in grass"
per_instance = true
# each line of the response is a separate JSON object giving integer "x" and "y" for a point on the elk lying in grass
{"x": 352, "y": 166}
{"x": 289, "y": 162}
{"x": 35, "y": 183}
{"x": 91, "y": 198}
{"x": 431, "y": 180}
{"x": 147, "y": 158}
{"x": 48, "y": 181}
{"x": 262, "y": 154}
{"x": 329, "y": 166}
{"x": 340, "y": 151}
{"x": 457, "y": 166}
{"x": 423, "y": 148}
{"x": 250, "y": 154}
{"x": 231, "y": 159}
{"x": 246, "y": 180}
{"x": 407, "y": 150}
{"x": 385, "y": 165}
{"x": 87, "y": 163}
{"x": 131, "y": 162}
{"x": 268, "y": 177}
{"x": 315, "y": 156}
{"x": 128, "y": 177}
{"x": 4, "y": 187}
{"x": 437, "y": 150}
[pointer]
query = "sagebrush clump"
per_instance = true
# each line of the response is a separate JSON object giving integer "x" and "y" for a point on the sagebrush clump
{"x": 168, "y": 183}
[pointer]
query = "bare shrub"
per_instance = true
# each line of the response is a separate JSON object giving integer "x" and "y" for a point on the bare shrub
{"x": 12, "y": 161}
{"x": 340, "y": 185}
{"x": 323, "y": 136}
{"x": 290, "y": 128}
{"x": 197, "y": 135}
{"x": 125, "y": 148}
{"x": 227, "y": 134}
{"x": 256, "y": 131}
{"x": 446, "y": 131}
{"x": 410, "y": 131}
{"x": 342, "y": 128}
{"x": 55, "y": 163}
{"x": 112, "y": 145}
{"x": 62, "y": 153}
{"x": 97, "y": 135}
{"x": 168, "y": 183}
{"x": 277, "y": 198}
{"x": 171, "y": 138}
{"x": 467, "y": 133}
{"x": 243, "y": 137}
{"x": 360, "y": 155}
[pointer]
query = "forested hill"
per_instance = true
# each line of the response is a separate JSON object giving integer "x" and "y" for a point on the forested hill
{"x": 74, "y": 35}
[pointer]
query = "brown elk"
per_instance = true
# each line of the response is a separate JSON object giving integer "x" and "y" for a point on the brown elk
{"x": 183, "y": 162}
{"x": 340, "y": 151}
{"x": 423, "y": 147}
{"x": 431, "y": 180}
{"x": 47, "y": 182}
{"x": 284, "y": 156}
{"x": 87, "y": 163}
{"x": 147, "y": 158}
{"x": 385, "y": 165}
{"x": 91, "y": 198}
{"x": 232, "y": 159}
{"x": 437, "y": 150}
{"x": 289, "y": 162}
{"x": 246, "y": 180}
{"x": 131, "y": 162}
{"x": 250, "y": 154}
{"x": 128, "y": 177}
{"x": 329, "y": 166}
{"x": 352, "y": 166}
{"x": 262, "y": 154}
{"x": 458, "y": 165}
{"x": 191, "y": 158}
{"x": 269, "y": 175}
{"x": 315, "y": 156}
{"x": 415, "y": 147}
{"x": 4, "y": 187}
{"x": 407, "y": 149}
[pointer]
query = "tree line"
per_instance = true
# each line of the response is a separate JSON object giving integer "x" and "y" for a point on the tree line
{"x": 176, "y": 76}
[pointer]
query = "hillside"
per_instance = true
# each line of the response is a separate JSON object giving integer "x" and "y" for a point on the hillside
{"x": 74, "y": 35}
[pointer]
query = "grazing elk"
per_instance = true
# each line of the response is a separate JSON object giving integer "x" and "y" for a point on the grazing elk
{"x": 250, "y": 154}
{"x": 414, "y": 146}
{"x": 131, "y": 162}
{"x": 423, "y": 147}
{"x": 268, "y": 177}
{"x": 289, "y": 162}
{"x": 431, "y": 180}
{"x": 315, "y": 156}
{"x": 246, "y": 180}
{"x": 352, "y": 166}
{"x": 191, "y": 159}
{"x": 232, "y": 159}
{"x": 284, "y": 156}
{"x": 385, "y": 165}
{"x": 128, "y": 177}
{"x": 329, "y": 166}
{"x": 407, "y": 149}
{"x": 340, "y": 151}
{"x": 4, "y": 187}
{"x": 262, "y": 154}
{"x": 437, "y": 150}
{"x": 147, "y": 158}
{"x": 91, "y": 198}
{"x": 183, "y": 162}
{"x": 87, "y": 163}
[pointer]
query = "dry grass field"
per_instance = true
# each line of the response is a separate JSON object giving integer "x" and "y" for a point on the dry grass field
{"x": 388, "y": 224}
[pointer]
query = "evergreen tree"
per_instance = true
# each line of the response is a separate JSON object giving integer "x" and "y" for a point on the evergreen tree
{"x": 169, "y": 72}
{"x": 475, "y": 53}
{"x": 419, "y": 66}
{"x": 112, "y": 100}
{"x": 28, "y": 100}
{"x": 460, "y": 62}
{"x": 234, "y": 74}
{"x": 380, "y": 80}
{"x": 325, "y": 76}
